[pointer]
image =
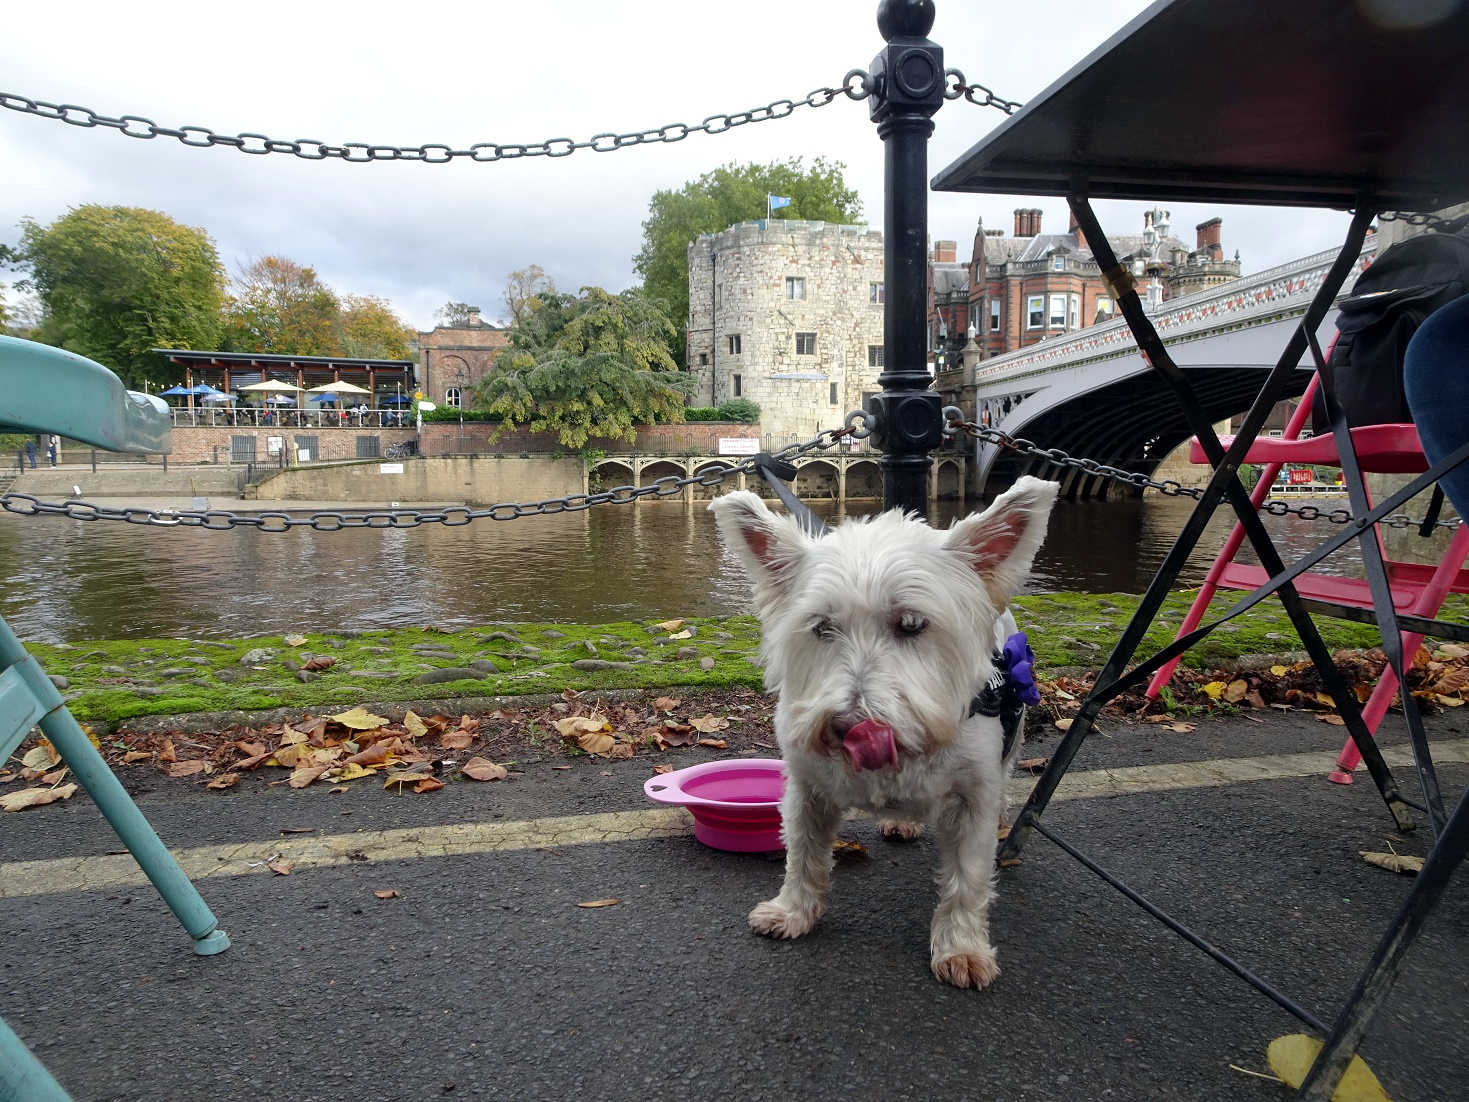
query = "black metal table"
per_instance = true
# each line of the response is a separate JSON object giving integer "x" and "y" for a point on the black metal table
{"x": 1350, "y": 104}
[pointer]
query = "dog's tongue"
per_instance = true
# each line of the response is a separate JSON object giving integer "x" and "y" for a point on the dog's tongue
{"x": 870, "y": 745}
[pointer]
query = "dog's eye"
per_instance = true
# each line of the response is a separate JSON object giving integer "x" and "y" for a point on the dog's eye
{"x": 911, "y": 624}
{"x": 824, "y": 629}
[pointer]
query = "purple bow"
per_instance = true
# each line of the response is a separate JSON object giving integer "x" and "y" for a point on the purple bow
{"x": 1020, "y": 668}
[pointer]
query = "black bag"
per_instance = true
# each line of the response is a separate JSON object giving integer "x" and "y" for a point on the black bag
{"x": 1392, "y": 298}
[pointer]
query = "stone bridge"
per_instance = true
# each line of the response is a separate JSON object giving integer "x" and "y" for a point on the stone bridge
{"x": 1091, "y": 394}
{"x": 849, "y": 475}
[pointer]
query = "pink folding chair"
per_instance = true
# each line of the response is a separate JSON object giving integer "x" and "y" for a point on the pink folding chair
{"x": 1417, "y": 590}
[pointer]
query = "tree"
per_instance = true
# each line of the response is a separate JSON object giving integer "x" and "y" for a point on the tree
{"x": 455, "y": 315}
{"x": 115, "y": 282}
{"x": 593, "y": 365}
{"x": 280, "y": 306}
{"x": 524, "y": 291}
{"x": 719, "y": 199}
{"x": 370, "y": 329}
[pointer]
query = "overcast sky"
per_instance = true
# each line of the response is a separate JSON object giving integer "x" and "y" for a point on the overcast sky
{"x": 457, "y": 73}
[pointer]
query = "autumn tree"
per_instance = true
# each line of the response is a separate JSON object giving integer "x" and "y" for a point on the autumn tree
{"x": 114, "y": 282}
{"x": 525, "y": 289}
{"x": 585, "y": 366}
{"x": 277, "y": 305}
{"x": 718, "y": 200}
{"x": 455, "y": 315}
{"x": 370, "y": 329}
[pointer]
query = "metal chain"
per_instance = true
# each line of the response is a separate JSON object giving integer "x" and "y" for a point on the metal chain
{"x": 955, "y": 86}
{"x": 855, "y": 86}
{"x": 220, "y": 520}
{"x": 1433, "y": 221}
{"x": 1167, "y": 487}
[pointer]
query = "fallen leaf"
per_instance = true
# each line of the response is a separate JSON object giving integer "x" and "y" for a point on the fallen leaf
{"x": 56, "y": 776}
{"x": 376, "y": 754}
{"x": 663, "y": 767}
{"x": 292, "y": 737}
{"x": 295, "y": 640}
{"x": 1063, "y": 724}
{"x": 224, "y": 780}
{"x": 386, "y": 893}
{"x": 572, "y": 726}
{"x": 318, "y": 662}
{"x": 1448, "y": 701}
{"x": 1213, "y": 690}
{"x": 1334, "y": 720}
{"x": 1033, "y": 765}
{"x": 1452, "y": 650}
{"x": 676, "y": 734}
{"x": 1291, "y": 1057}
{"x": 428, "y": 784}
{"x": 1279, "y": 671}
{"x": 401, "y": 777}
{"x": 352, "y": 771}
{"x": 708, "y": 724}
{"x": 596, "y": 742}
{"x": 360, "y": 719}
{"x": 415, "y": 726}
{"x": 281, "y": 868}
{"x": 306, "y": 775}
{"x": 665, "y": 704}
{"x": 714, "y": 743}
{"x": 670, "y": 625}
{"x": 600, "y": 903}
{"x": 166, "y": 752}
{"x": 1235, "y": 691}
{"x": 456, "y": 740}
{"x": 35, "y": 797}
{"x": 137, "y": 755}
{"x": 481, "y": 769}
{"x": 621, "y": 751}
{"x": 1179, "y": 727}
{"x": 186, "y": 768}
{"x": 41, "y": 756}
{"x": 1393, "y": 862}
{"x": 844, "y": 850}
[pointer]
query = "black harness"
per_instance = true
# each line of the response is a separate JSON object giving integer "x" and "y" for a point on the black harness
{"x": 1000, "y": 696}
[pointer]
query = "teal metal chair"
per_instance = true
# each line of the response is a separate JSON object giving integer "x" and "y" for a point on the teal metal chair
{"x": 47, "y": 390}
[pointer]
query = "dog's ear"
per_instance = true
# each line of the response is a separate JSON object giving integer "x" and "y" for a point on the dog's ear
{"x": 1000, "y": 543}
{"x": 768, "y": 545}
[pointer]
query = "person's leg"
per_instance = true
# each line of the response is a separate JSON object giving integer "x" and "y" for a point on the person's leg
{"x": 1436, "y": 377}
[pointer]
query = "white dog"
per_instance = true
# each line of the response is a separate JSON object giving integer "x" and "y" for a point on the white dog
{"x": 877, "y": 636}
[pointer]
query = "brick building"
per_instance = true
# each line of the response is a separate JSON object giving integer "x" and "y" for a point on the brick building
{"x": 789, "y": 315}
{"x": 452, "y": 360}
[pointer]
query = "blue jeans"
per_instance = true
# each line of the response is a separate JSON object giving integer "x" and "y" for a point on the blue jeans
{"x": 1436, "y": 377}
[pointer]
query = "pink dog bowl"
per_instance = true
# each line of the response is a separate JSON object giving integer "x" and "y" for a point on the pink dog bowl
{"x": 735, "y": 804}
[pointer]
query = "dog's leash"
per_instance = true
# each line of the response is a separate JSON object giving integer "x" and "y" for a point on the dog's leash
{"x": 1012, "y": 684}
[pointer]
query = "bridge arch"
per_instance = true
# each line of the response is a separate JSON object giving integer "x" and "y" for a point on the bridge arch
{"x": 864, "y": 479}
{"x": 608, "y": 473}
{"x": 817, "y": 480}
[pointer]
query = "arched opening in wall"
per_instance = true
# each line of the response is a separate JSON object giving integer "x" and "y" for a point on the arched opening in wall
{"x": 946, "y": 479}
{"x": 705, "y": 493}
{"x": 816, "y": 481}
{"x": 608, "y": 474}
{"x": 864, "y": 480}
{"x": 661, "y": 469}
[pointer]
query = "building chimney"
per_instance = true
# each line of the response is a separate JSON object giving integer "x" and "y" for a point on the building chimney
{"x": 1035, "y": 221}
{"x": 1022, "y": 222}
{"x": 1209, "y": 238}
{"x": 473, "y": 313}
{"x": 945, "y": 252}
{"x": 1074, "y": 229}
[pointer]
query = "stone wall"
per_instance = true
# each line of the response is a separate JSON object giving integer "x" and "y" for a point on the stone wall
{"x": 474, "y": 480}
{"x": 744, "y": 321}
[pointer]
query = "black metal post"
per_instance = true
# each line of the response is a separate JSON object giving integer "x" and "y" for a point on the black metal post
{"x": 907, "y": 87}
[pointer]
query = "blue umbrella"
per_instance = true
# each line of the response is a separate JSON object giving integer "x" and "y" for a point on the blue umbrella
{"x": 175, "y": 391}
{"x": 323, "y": 398}
{"x": 396, "y": 400}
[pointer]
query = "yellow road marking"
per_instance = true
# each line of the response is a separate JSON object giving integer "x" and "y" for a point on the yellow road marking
{"x": 70, "y": 874}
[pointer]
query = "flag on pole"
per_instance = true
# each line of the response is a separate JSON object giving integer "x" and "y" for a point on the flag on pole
{"x": 775, "y": 202}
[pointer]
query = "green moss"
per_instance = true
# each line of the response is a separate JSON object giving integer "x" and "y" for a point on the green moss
{"x": 1066, "y": 629}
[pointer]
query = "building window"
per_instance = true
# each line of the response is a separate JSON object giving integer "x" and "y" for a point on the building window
{"x": 703, "y": 359}
{"x": 994, "y": 315}
{"x": 833, "y": 394}
{"x": 1058, "y": 262}
{"x": 877, "y": 293}
{"x": 451, "y": 397}
{"x": 734, "y": 344}
{"x": 1075, "y": 315}
{"x": 795, "y": 287}
{"x": 734, "y": 381}
{"x": 805, "y": 344}
{"x": 1035, "y": 310}
{"x": 1057, "y": 317}
{"x": 875, "y": 355}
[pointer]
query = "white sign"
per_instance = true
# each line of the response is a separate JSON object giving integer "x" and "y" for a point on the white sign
{"x": 390, "y": 468}
{"x": 273, "y": 444}
{"x": 739, "y": 445}
{"x": 427, "y": 407}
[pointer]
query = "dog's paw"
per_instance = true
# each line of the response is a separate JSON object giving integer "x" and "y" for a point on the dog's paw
{"x": 977, "y": 970}
{"x": 899, "y": 830}
{"x": 774, "y": 919}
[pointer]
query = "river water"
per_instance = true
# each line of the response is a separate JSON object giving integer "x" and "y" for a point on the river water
{"x": 67, "y": 580}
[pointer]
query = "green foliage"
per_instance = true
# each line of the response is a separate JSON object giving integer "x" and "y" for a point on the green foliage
{"x": 525, "y": 289}
{"x": 454, "y": 315}
{"x": 717, "y": 200}
{"x": 700, "y": 413}
{"x": 449, "y": 413}
{"x": 740, "y": 409}
{"x": 588, "y": 365}
{"x": 282, "y": 307}
{"x": 371, "y": 331}
{"x": 115, "y": 282}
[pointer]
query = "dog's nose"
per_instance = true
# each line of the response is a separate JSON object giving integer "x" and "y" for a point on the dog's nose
{"x": 843, "y": 722}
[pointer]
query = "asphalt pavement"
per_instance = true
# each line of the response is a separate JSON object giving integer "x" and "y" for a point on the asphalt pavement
{"x": 482, "y": 977}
